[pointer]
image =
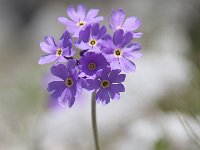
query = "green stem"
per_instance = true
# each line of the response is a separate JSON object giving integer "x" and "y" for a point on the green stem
{"x": 94, "y": 122}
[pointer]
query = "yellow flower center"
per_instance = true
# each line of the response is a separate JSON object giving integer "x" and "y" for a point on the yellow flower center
{"x": 59, "y": 52}
{"x": 118, "y": 27}
{"x": 81, "y": 23}
{"x": 92, "y": 66}
{"x": 69, "y": 82}
{"x": 105, "y": 84}
{"x": 118, "y": 52}
{"x": 92, "y": 42}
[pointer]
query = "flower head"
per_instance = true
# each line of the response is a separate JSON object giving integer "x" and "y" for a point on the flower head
{"x": 66, "y": 88}
{"x": 107, "y": 84}
{"x": 117, "y": 21}
{"x": 56, "y": 52}
{"x": 101, "y": 57}
{"x": 79, "y": 19}
{"x": 91, "y": 63}
{"x": 91, "y": 38}
{"x": 119, "y": 50}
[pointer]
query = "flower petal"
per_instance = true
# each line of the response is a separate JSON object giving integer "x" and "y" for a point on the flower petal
{"x": 92, "y": 84}
{"x": 85, "y": 34}
{"x": 126, "y": 65}
{"x": 102, "y": 32}
{"x": 118, "y": 87}
{"x": 81, "y": 12}
{"x": 66, "y": 22}
{"x": 114, "y": 64}
{"x": 137, "y": 34}
{"x": 71, "y": 64}
{"x": 57, "y": 87}
{"x": 61, "y": 99}
{"x": 126, "y": 39}
{"x": 92, "y": 13}
{"x": 50, "y": 41}
{"x": 69, "y": 98}
{"x": 118, "y": 79}
{"x": 102, "y": 95}
{"x": 83, "y": 46}
{"x": 72, "y": 13}
{"x": 54, "y": 85}
{"x": 95, "y": 20}
{"x": 131, "y": 24}
{"x": 47, "y": 59}
{"x": 113, "y": 95}
{"x": 59, "y": 71}
{"x": 95, "y": 29}
{"x": 118, "y": 37}
{"x": 62, "y": 59}
{"x": 114, "y": 73}
{"x": 118, "y": 17}
{"x": 132, "y": 51}
{"x": 47, "y": 48}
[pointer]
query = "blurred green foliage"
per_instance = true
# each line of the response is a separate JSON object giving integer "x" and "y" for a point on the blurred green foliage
{"x": 188, "y": 100}
{"x": 161, "y": 144}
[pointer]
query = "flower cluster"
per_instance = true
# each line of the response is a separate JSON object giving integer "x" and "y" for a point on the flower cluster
{"x": 87, "y": 56}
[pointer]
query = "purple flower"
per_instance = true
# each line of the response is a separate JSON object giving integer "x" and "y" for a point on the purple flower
{"x": 67, "y": 87}
{"x": 79, "y": 19}
{"x": 91, "y": 38}
{"x": 119, "y": 50}
{"x": 90, "y": 63}
{"x": 107, "y": 85}
{"x": 56, "y": 52}
{"x": 117, "y": 21}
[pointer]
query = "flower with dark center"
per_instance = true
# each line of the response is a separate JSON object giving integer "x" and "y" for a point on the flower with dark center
{"x": 79, "y": 19}
{"x": 56, "y": 52}
{"x": 90, "y": 63}
{"x": 107, "y": 84}
{"x": 91, "y": 38}
{"x": 117, "y": 21}
{"x": 119, "y": 50}
{"x": 66, "y": 88}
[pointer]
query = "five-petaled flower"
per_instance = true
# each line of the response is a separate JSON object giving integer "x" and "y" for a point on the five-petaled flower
{"x": 56, "y": 52}
{"x": 91, "y": 38}
{"x": 98, "y": 58}
{"x": 117, "y": 21}
{"x": 107, "y": 85}
{"x": 91, "y": 63}
{"x": 79, "y": 19}
{"x": 66, "y": 88}
{"x": 119, "y": 49}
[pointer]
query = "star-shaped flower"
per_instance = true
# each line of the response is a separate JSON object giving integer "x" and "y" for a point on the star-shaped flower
{"x": 91, "y": 38}
{"x": 57, "y": 52}
{"x": 107, "y": 84}
{"x": 117, "y": 21}
{"x": 66, "y": 88}
{"x": 119, "y": 50}
{"x": 79, "y": 19}
{"x": 91, "y": 63}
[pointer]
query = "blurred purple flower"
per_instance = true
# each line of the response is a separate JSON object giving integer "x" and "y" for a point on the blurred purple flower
{"x": 79, "y": 19}
{"x": 117, "y": 21}
{"x": 90, "y": 63}
{"x": 66, "y": 88}
{"x": 56, "y": 52}
{"x": 107, "y": 85}
{"x": 119, "y": 49}
{"x": 91, "y": 38}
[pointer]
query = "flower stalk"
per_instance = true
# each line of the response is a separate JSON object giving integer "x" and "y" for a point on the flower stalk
{"x": 94, "y": 122}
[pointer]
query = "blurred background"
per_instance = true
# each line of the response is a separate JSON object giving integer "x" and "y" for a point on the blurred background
{"x": 159, "y": 110}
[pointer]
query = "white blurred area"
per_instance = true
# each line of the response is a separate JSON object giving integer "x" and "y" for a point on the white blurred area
{"x": 133, "y": 122}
